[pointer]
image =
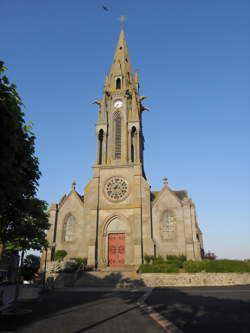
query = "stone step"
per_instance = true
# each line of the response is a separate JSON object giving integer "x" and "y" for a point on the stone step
{"x": 109, "y": 279}
{"x": 126, "y": 268}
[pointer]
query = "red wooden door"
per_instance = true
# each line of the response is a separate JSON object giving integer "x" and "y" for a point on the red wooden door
{"x": 116, "y": 249}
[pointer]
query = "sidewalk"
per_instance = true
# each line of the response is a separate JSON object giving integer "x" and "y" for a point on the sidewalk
{"x": 26, "y": 293}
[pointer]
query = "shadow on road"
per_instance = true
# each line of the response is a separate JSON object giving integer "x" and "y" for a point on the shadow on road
{"x": 115, "y": 279}
{"x": 56, "y": 304}
{"x": 196, "y": 314}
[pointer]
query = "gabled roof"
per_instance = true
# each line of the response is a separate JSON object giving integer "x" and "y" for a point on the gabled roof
{"x": 66, "y": 197}
{"x": 179, "y": 195}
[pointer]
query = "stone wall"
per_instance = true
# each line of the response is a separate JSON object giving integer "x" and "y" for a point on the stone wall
{"x": 194, "y": 279}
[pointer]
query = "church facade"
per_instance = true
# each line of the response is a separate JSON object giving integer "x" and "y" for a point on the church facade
{"x": 119, "y": 219}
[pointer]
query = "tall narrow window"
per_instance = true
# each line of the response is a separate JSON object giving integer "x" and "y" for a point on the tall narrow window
{"x": 133, "y": 144}
{"x": 118, "y": 83}
{"x": 117, "y": 134}
{"x": 100, "y": 138}
{"x": 69, "y": 229}
{"x": 168, "y": 226}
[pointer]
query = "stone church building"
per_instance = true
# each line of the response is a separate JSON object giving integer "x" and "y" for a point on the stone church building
{"x": 119, "y": 219}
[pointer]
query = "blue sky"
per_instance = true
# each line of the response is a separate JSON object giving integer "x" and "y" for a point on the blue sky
{"x": 193, "y": 62}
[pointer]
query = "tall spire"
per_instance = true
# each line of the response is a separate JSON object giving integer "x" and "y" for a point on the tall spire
{"x": 121, "y": 67}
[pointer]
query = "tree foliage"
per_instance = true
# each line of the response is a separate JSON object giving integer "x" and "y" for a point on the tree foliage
{"x": 23, "y": 217}
{"x": 210, "y": 255}
{"x": 31, "y": 266}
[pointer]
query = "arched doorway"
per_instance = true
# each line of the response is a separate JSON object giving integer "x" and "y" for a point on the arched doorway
{"x": 116, "y": 232}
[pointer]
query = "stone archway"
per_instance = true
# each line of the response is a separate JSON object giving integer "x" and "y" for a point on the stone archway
{"x": 116, "y": 242}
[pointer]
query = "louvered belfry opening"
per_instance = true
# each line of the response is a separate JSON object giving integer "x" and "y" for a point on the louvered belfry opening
{"x": 118, "y": 130}
{"x": 118, "y": 83}
{"x": 133, "y": 144}
{"x": 100, "y": 137}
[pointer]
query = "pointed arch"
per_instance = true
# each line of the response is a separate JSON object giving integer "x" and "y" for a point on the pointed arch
{"x": 117, "y": 223}
{"x": 168, "y": 225}
{"x": 100, "y": 140}
{"x": 69, "y": 228}
{"x": 118, "y": 83}
{"x": 117, "y": 135}
{"x": 133, "y": 144}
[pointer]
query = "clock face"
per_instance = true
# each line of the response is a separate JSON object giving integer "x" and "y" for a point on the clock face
{"x": 116, "y": 188}
{"x": 118, "y": 104}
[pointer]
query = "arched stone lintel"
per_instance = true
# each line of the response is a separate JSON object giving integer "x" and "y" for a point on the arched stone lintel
{"x": 110, "y": 219}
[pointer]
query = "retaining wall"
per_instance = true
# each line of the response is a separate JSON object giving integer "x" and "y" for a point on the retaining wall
{"x": 194, "y": 279}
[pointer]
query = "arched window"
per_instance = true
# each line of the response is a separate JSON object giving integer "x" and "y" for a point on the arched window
{"x": 118, "y": 83}
{"x": 100, "y": 138}
{"x": 117, "y": 134}
{"x": 69, "y": 229}
{"x": 168, "y": 226}
{"x": 133, "y": 143}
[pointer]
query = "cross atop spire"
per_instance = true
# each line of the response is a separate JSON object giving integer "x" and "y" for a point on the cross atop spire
{"x": 73, "y": 186}
{"x": 165, "y": 180}
{"x": 122, "y": 19}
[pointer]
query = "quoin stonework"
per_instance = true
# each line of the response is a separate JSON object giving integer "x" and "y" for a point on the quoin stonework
{"x": 118, "y": 220}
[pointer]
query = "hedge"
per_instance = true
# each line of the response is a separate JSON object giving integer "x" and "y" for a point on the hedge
{"x": 175, "y": 265}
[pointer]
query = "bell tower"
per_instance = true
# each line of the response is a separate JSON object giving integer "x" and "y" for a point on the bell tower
{"x": 119, "y": 129}
{"x": 117, "y": 199}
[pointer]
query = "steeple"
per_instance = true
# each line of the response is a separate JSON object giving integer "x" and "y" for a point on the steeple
{"x": 121, "y": 73}
{"x": 119, "y": 134}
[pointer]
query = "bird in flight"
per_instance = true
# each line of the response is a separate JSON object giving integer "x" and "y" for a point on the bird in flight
{"x": 105, "y": 8}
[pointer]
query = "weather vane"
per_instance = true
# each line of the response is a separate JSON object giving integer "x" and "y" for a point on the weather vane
{"x": 122, "y": 19}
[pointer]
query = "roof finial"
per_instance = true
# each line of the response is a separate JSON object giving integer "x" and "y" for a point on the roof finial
{"x": 122, "y": 19}
{"x": 73, "y": 186}
{"x": 165, "y": 180}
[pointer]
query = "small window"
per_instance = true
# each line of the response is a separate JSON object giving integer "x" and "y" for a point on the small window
{"x": 118, "y": 83}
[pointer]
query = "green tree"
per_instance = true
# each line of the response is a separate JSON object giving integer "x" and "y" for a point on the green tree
{"x": 23, "y": 217}
{"x": 31, "y": 266}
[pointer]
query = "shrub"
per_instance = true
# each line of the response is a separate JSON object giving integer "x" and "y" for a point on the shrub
{"x": 81, "y": 262}
{"x": 227, "y": 266}
{"x": 159, "y": 268}
{"x": 158, "y": 260}
{"x": 148, "y": 258}
{"x": 216, "y": 266}
{"x": 176, "y": 258}
{"x": 60, "y": 255}
{"x": 191, "y": 266}
{"x": 69, "y": 267}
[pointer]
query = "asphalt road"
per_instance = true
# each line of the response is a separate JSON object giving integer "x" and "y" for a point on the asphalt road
{"x": 81, "y": 311}
{"x": 193, "y": 310}
{"x": 205, "y": 309}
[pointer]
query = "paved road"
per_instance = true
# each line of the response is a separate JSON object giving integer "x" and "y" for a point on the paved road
{"x": 205, "y": 309}
{"x": 81, "y": 311}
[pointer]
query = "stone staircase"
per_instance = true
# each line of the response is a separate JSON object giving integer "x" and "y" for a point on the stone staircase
{"x": 111, "y": 279}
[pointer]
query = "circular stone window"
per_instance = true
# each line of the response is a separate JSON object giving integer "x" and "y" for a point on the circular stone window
{"x": 116, "y": 188}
